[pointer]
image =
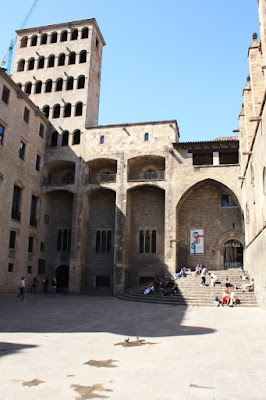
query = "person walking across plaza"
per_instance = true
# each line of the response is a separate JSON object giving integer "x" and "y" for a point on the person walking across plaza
{"x": 34, "y": 284}
{"x": 21, "y": 289}
{"x": 203, "y": 276}
{"x": 53, "y": 286}
{"x": 45, "y": 283}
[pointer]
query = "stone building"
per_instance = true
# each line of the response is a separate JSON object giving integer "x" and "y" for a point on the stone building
{"x": 122, "y": 203}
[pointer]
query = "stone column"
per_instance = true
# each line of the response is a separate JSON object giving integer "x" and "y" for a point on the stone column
{"x": 120, "y": 227}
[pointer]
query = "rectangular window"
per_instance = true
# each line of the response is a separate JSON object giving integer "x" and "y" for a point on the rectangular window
{"x": 103, "y": 242}
{"x": 42, "y": 246}
{"x": 33, "y": 211}
{"x": 5, "y": 94}
{"x": 202, "y": 159}
{"x": 30, "y": 245}
{"x": 1, "y": 134}
{"x": 41, "y": 266}
{"x": 10, "y": 267}
{"x": 46, "y": 219}
{"x": 228, "y": 157}
{"x": 15, "y": 213}
{"x": 38, "y": 162}
{"x": 12, "y": 239}
{"x": 29, "y": 269}
{"x": 22, "y": 150}
{"x": 26, "y": 116}
{"x": 103, "y": 281}
{"x": 41, "y": 130}
{"x": 147, "y": 241}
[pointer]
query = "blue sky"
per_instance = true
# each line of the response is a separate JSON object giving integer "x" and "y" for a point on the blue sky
{"x": 183, "y": 60}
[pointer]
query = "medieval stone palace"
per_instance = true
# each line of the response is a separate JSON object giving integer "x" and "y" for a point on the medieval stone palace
{"x": 109, "y": 207}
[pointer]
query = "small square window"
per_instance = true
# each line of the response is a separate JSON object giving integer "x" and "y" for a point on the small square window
{"x": 5, "y": 94}
{"x": 22, "y": 150}
{"x": 38, "y": 162}
{"x": 10, "y": 267}
{"x": 26, "y": 116}
{"x": 41, "y": 130}
{"x": 46, "y": 219}
{"x": 29, "y": 269}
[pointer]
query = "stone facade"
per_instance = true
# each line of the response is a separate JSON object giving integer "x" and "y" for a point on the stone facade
{"x": 120, "y": 203}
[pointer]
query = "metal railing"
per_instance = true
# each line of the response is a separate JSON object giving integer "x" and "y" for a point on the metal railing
{"x": 100, "y": 178}
{"x": 67, "y": 180}
{"x": 146, "y": 176}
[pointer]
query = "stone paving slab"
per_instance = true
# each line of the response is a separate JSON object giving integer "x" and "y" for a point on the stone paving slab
{"x": 73, "y": 347}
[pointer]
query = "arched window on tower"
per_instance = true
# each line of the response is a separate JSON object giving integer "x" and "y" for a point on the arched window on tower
{"x": 102, "y": 139}
{"x": 31, "y": 63}
{"x": 153, "y": 241}
{"x": 81, "y": 82}
{"x": 76, "y": 137}
{"x": 56, "y": 111}
{"x": 70, "y": 83}
{"x": 44, "y": 39}
{"x": 38, "y": 87}
{"x": 34, "y": 41}
{"x": 61, "y": 59}
{"x": 54, "y": 37}
{"x": 46, "y": 111}
{"x": 72, "y": 58}
{"x": 63, "y": 36}
{"x": 82, "y": 56}
{"x": 24, "y": 41}
{"x": 74, "y": 34}
{"x": 54, "y": 139}
{"x": 51, "y": 60}
{"x": 59, "y": 85}
{"x": 78, "y": 111}
{"x": 65, "y": 138}
{"x": 41, "y": 63}
{"x": 48, "y": 86}
{"x": 85, "y": 33}
{"x": 67, "y": 110}
{"x": 146, "y": 137}
{"x": 28, "y": 87}
{"x": 21, "y": 65}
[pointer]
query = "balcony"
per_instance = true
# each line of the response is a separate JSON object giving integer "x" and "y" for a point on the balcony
{"x": 100, "y": 178}
{"x": 15, "y": 214}
{"x": 33, "y": 221}
{"x": 67, "y": 179}
{"x": 146, "y": 176}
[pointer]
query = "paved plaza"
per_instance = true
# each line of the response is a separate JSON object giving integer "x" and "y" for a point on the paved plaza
{"x": 73, "y": 347}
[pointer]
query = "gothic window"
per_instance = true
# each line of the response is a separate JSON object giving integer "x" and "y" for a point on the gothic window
{"x": 74, "y": 34}
{"x": 153, "y": 241}
{"x": 24, "y": 42}
{"x": 141, "y": 242}
{"x": 59, "y": 85}
{"x": 41, "y": 63}
{"x": 103, "y": 241}
{"x": 48, "y": 86}
{"x": 81, "y": 82}
{"x": 63, "y": 36}
{"x": 38, "y": 87}
{"x": 102, "y": 140}
{"x": 225, "y": 200}
{"x": 63, "y": 239}
{"x": 146, "y": 137}
{"x": 147, "y": 241}
{"x": 44, "y": 39}
{"x": 34, "y": 40}
{"x": 78, "y": 111}
{"x": 56, "y": 111}
{"x": 54, "y": 139}
{"x": 51, "y": 60}
{"x": 46, "y": 111}
{"x": 72, "y": 58}
{"x": 31, "y": 63}
{"x": 54, "y": 37}
{"x": 82, "y": 56}
{"x": 21, "y": 65}
{"x": 1, "y": 134}
{"x": 65, "y": 138}
{"x": 70, "y": 83}
{"x": 28, "y": 87}
{"x": 76, "y": 137}
{"x": 61, "y": 59}
{"x": 67, "y": 110}
{"x": 85, "y": 33}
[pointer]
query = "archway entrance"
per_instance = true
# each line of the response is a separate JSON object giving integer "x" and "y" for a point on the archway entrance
{"x": 233, "y": 254}
{"x": 62, "y": 277}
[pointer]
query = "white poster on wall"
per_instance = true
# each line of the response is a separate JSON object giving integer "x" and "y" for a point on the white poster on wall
{"x": 196, "y": 241}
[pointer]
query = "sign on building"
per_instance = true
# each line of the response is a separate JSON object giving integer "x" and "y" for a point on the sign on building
{"x": 196, "y": 241}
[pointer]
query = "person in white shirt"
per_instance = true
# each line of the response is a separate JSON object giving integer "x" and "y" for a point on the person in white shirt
{"x": 214, "y": 279}
{"x": 233, "y": 299}
{"x": 21, "y": 289}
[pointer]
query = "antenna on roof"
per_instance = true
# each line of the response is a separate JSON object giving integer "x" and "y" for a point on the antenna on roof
{"x": 7, "y": 60}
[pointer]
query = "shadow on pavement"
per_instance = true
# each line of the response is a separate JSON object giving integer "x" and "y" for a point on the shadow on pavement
{"x": 69, "y": 314}
{"x": 7, "y": 348}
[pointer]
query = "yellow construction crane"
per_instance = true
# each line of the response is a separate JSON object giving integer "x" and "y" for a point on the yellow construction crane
{"x": 7, "y": 60}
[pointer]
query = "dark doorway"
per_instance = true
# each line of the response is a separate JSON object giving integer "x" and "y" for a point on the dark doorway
{"x": 233, "y": 254}
{"x": 62, "y": 277}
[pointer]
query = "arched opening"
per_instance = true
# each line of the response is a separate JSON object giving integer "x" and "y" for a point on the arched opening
{"x": 56, "y": 111}
{"x": 74, "y": 34}
{"x": 72, "y": 58}
{"x": 21, "y": 65}
{"x": 44, "y": 39}
{"x": 78, "y": 110}
{"x": 38, "y": 87}
{"x": 48, "y": 86}
{"x": 19, "y": 85}
{"x": 76, "y": 137}
{"x": 61, "y": 59}
{"x": 63, "y": 36}
{"x": 46, "y": 111}
{"x": 41, "y": 63}
{"x": 28, "y": 87}
{"x": 24, "y": 41}
{"x": 81, "y": 82}
{"x": 51, "y": 60}
{"x": 62, "y": 277}
{"x": 67, "y": 110}
{"x": 146, "y": 168}
{"x": 31, "y": 63}
{"x": 85, "y": 33}
{"x": 65, "y": 138}
{"x": 34, "y": 41}
{"x": 233, "y": 254}
{"x": 82, "y": 56}
{"x": 54, "y": 139}
{"x": 54, "y": 37}
{"x": 102, "y": 139}
{"x": 70, "y": 83}
{"x": 59, "y": 85}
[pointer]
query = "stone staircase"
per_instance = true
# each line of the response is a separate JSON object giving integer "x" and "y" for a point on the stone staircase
{"x": 191, "y": 293}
